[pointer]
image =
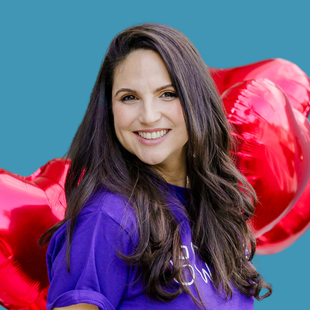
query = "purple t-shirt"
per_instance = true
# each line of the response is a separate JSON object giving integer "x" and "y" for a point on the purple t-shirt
{"x": 99, "y": 276}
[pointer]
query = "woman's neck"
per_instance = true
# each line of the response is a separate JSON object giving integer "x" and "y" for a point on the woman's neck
{"x": 178, "y": 182}
{"x": 173, "y": 169}
{"x": 176, "y": 177}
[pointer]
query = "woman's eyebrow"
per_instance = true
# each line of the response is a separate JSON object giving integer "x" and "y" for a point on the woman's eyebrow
{"x": 134, "y": 91}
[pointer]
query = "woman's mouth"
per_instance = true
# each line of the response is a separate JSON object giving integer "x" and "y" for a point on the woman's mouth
{"x": 152, "y": 135}
{"x": 152, "y": 138}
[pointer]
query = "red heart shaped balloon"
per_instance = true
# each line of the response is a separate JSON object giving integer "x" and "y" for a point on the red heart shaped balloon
{"x": 297, "y": 221}
{"x": 273, "y": 150}
{"x": 29, "y": 206}
{"x": 288, "y": 76}
{"x": 296, "y": 86}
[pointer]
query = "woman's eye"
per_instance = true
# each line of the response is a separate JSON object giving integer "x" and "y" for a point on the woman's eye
{"x": 129, "y": 97}
{"x": 169, "y": 94}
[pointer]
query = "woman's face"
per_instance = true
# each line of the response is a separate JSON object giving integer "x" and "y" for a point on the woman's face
{"x": 148, "y": 117}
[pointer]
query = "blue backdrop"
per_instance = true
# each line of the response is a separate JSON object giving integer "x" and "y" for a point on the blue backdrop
{"x": 51, "y": 53}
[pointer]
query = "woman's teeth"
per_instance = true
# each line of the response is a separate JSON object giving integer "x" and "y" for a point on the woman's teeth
{"x": 152, "y": 135}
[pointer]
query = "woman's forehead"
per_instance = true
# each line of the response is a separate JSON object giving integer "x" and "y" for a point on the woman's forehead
{"x": 141, "y": 69}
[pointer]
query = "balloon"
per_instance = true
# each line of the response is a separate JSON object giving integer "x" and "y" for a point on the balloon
{"x": 273, "y": 147}
{"x": 292, "y": 225}
{"x": 296, "y": 85}
{"x": 293, "y": 81}
{"x": 29, "y": 206}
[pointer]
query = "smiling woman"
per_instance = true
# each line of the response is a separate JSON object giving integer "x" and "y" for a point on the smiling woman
{"x": 156, "y": 212}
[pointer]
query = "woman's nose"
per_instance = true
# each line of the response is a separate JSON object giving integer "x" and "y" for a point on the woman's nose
{"x": 149, "y": 112}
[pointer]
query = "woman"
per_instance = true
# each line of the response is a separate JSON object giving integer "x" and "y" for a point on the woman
{"x": 156, "y": 212}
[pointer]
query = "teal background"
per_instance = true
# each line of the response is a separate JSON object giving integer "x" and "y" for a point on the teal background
{"x": 50, "y": 56}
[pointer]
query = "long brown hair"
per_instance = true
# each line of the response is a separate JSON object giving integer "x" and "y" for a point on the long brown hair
{"x": 221, "y": 201}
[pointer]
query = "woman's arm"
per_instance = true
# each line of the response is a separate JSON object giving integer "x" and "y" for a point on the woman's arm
{"x": 78, "y": 307}
{"x": 98, "y": 276}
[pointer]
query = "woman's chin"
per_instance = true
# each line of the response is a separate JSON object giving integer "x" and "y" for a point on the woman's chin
{"x": 150, "y": 160}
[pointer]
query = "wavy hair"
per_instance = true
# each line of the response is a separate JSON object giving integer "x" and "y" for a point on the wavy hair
{"x": 222, "y": 201}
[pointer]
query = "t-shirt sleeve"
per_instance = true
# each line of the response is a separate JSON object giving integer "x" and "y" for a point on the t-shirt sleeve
{"x": 98, "y": 275}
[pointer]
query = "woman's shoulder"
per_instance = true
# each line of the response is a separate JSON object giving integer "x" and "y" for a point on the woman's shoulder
{"x": 103, "y": 208}
{"x": 114, "y": 206}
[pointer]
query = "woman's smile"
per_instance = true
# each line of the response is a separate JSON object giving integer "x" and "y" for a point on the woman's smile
{"x": 152, "y": 137}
